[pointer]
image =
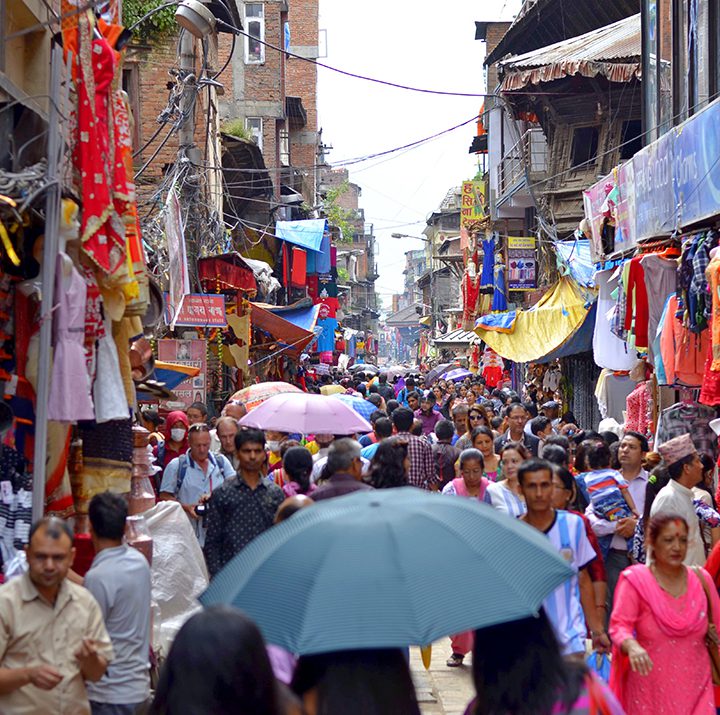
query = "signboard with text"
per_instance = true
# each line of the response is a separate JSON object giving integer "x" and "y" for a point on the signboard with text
{"x": 201, "y": 310}
{"x": 187, "y": 352}
{"x": 472, "y": 202}
{"x": 521, "y": 263}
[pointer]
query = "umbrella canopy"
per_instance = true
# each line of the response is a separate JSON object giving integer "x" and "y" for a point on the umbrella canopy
{"x": 459, "y": 373}
{"x": 255, "y": 395}
{"x": 364, "y": 367}
{"x": 331, "y": 389}
{"x": 383, "y": 569}
{"x": 358, "y": 403}
{"x": 306, "y": 414}
{"x": 435, "y": 373}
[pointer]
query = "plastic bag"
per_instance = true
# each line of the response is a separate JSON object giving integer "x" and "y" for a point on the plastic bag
{"x": 599, "y": 663}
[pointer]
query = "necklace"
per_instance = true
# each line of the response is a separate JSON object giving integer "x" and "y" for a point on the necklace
{"x": 674, "y": 587}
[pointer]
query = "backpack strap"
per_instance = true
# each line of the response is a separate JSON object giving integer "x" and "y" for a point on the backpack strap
{"x": 182, "y": 471}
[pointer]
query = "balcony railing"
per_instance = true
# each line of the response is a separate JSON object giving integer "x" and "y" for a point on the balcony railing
{"x": 528, "y": 155}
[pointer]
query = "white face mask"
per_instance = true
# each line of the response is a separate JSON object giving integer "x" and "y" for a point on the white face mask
{"x": 273, "y": 446}
{"x": 177, "y": 434}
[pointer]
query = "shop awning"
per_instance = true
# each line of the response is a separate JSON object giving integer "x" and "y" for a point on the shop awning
{"x": 545, "y": 327}
{"x": 291, "y": 327}
{"x": 581, "y": 341}
{"x": 457, "y": 339}
{"x": 306, "y": 234}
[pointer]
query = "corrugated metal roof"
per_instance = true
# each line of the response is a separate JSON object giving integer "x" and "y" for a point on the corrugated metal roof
{"x": 542, "y": 22}
{"x": 457, "y": 337}
{"x": 619, "y": 41}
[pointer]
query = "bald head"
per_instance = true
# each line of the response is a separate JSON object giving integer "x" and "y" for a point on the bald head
{"x": 235, "y": 410}
{"x": 292, "y": 505}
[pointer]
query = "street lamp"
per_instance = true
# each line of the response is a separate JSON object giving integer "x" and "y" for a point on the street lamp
{"x": 425, "y": 239}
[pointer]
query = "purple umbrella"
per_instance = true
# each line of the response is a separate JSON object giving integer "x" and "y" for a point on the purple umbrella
{"x": 459, "y": 373}
{"x": 306, "y": 414}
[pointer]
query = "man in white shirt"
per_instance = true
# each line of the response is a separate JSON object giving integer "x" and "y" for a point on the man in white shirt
{"x": 566, "y": 605}
{"x": 685, "y": 469}
{"x": 631, "y": 453}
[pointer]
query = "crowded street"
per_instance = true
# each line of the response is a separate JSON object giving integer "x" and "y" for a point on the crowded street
{"x": 359, "y": 360}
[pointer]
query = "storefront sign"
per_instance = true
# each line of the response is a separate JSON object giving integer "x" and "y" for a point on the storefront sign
{"x": 472, "y": 200}
{"x": 187, "y": 352}
{"x": 202, "y": 310}
{"x": 521, "y": 263}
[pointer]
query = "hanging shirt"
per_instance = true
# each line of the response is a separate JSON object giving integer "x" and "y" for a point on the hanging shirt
{"x": 688, "y": 418}
{"x": 660, "y": 275}
{"x": 636, "y": 310}
{"x": 608, "y": 350}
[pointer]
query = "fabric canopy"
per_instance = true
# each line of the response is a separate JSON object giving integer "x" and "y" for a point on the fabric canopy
{"x": 579, "y": 342}
{"x": 306, "y": 234}
{"x": 543, "y": 328}
{"x": 293, "y": 328}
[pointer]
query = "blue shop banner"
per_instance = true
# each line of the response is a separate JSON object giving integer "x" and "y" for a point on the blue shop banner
{"x": 677, "y": 178}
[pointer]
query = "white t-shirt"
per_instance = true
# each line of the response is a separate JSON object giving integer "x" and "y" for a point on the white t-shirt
{"x": 505, "y": 501}
{"x": 567, "y": 534}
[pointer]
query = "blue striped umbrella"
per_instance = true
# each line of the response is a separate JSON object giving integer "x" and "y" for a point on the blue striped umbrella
{"x": 359, "y": 404}
{"x": 388, "y": 568}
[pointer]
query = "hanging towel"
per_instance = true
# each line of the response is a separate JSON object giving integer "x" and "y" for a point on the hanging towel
{"x": 298, "y": 273}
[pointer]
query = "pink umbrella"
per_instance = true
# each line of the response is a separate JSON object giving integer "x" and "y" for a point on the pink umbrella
{"x": 255, "y": 395}
{"x": 306, "y": 414}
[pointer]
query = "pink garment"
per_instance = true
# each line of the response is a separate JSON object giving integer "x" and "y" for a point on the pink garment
{"x": 639, "y": 405}
{"x": 69, "y": 399}
{"x": 462, "y": 643}
{"x": 672, "y": 630}
{"x": 683, "y": 353}
{"x": 461, "y": 489}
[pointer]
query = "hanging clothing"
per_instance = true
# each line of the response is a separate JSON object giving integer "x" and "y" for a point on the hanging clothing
{"x": 682, "y": 352}
{"x": 326, "y": 339}
{"x": 617, "y": 321}
{"x": 710, "y": 392}
{"x": 608, "y": 350}
{"x": 639, "y": 409}
{"x": 298, "y": 272}
{"x": 660, "y": 275}
{"x": 470, "y": 292}
{"x": 688, "y": 418}
{"x": 500, "y": 303}
{"x": 713, "y": 277}
{"x": 69, "y": 399}
{"x": 487, "y": 277}
{"x": 612, "y": 392}
{"x": 108, "y": 388}
{"x": 636, "y": 310}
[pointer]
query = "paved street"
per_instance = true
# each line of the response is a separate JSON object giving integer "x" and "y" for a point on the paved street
{"x": 441, "y": 690}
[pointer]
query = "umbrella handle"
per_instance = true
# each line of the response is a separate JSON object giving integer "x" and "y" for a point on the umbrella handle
{"x": 426, "y": 655}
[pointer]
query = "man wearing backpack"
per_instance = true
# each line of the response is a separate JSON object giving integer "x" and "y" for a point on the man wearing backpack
{"x": 191, "y": 478}
{"x": 572, "y": 605}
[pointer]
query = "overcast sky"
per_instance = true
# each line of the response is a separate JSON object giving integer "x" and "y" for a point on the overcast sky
{"x": 413, "y": 42}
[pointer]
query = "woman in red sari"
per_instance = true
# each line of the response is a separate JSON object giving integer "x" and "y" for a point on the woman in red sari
{"x": 658, "y": 628}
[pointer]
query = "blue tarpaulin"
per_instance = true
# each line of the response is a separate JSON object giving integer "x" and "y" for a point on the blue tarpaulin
{"x": 306, "y": 234}
{"x": 304, "y": 318}
{"x": 579, "y": 342}
{"x": 574, "y": 256}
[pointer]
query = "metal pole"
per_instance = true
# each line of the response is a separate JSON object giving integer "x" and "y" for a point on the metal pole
{"x": 50, "y": 253}
{"x": 186, "y": 133}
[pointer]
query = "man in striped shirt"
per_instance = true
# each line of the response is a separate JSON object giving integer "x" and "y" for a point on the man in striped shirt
{"x": 566, "y": 606}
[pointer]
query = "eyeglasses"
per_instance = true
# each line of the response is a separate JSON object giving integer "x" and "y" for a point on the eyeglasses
{"x": 199, "y": 427}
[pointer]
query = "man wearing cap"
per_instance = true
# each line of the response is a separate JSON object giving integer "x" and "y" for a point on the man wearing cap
{"x": 685, "y": 469}
{"x": 551, "y": 410}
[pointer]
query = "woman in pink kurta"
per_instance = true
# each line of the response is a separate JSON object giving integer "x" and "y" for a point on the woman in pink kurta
{"x": 470, "y": 483}
{"x": 658, "y": 627}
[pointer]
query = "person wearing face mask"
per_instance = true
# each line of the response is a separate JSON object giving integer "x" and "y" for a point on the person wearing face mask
{"x": 176, "y": 442}
{"x": 273, "y": 444}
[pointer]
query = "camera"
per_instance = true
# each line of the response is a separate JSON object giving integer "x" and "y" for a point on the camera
{"x": 201, "y": 510}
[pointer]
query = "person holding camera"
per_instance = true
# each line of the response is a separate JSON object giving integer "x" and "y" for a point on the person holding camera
{"x": 191, "y": 478}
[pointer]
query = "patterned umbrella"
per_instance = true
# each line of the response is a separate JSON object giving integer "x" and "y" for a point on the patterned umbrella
{"x": 360, "y": 405}
{"x": 457, "y": 374}
{"x": 255, "y": 395}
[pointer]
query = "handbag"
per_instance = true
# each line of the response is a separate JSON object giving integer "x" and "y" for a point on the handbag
{"x": 712, "y": 641}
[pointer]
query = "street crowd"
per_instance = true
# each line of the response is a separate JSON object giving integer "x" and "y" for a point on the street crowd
{"x": 639, "y": 530}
